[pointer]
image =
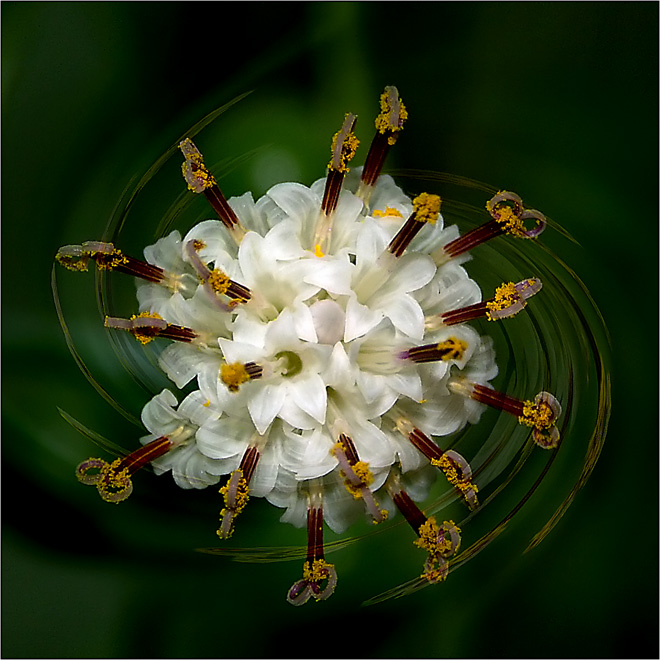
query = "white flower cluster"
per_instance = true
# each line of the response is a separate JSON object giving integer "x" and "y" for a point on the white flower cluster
{"x": 328, "y": 332}
{"x": 321, "y": 335}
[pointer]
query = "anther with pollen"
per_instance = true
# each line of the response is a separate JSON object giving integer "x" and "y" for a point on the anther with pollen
{"x": 113, "y": 480}
{"x": 509, "y": 299}
{"x": 453, "y": 465}
{"x": 146, "y": 327}
{"x": 426, "y": 209}
{"x": 234, "y": 374}
{"x": 215, "y": 281}
{"x": 200, "y": 180}
{"x": 449, "y": 349}
{"x": 540, "y": 414}
{"x": 508, "y": 217}
{"x": 107, "y": 257}
{"x": 343, "y": 148}
{"x": 357, "y": 476}
{"x": 440, "y": 541}
{"x": 236, "y": 492}
{"x": 389, "y": 124}
{"x": 319, "y": 578}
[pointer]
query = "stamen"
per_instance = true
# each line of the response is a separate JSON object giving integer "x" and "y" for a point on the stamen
{"x": 357, "y": 476}
{"x": 509, "y": 299}
{"x": 426, "y": 209}
{"x": 107, "y": 257}
{"x": 449, "y": 349}
{"x": 236, "y": 491}
{"x": 235, "y": 374}
{"x": 215, "y": 281}
{"x": 316, "y": 570}
{"x": 541, "y": 414}
{"x": 113, "y": 480}
{"x": 200, "y": 180}
{"x": 456, "y": 469}
{"x": 146, "y": 327}
{"x": 439, "y": 541}
{"x": 389, "y": 124}
{"x": 344, "y": 145}
{"x": 508, "y": 215}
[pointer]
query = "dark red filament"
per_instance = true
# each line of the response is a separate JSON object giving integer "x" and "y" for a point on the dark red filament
{"x": 249, "y": 463}
{"x": 314, "y": 534}
{"x": 373, "y": 165}
{"x": 404, "y": 236}
{"x": 425, "y": 445}
{"x": 465, "y": 314}
{"x": 145, "y": 454}
{"x": 349, "y": 449}
{"x": 332, "y": 191}
{"x": 474, "y": 237}
{"x": 409, "y": 509}
{"x": 499, "y": 400}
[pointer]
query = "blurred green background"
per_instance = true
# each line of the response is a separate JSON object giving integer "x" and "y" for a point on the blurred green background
{"x": 557, "y": 101}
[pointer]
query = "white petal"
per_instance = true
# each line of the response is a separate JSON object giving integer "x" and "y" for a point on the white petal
{"x": 223, "y": 438}
{"x": 264, "y": 404}
{"x": 329, "y": 320}
{"x": 158, "y": 415}
{"x": 412, "y": 272}
{"x": 166, "y": 253}
{"x": 248, "y": 214}
{"x": 197, "y": 409}
{"x": 360, "y": 319}
{"x": 371, "y": 242}
{"x": 283, "y": 243}
{"x": 408, "y": 384}
{"x": 406, "y": 315}
{"x": 182, "y": 362}
{"x": 304, "y": 322}
{"x": 235, "y": 351}
{"x": 309, "y": 394}
{"x": 292, "y": 414}
{"x": 332, "y": 274}
{"x": 339, "y": 372}
{"x": 247, "y": 330}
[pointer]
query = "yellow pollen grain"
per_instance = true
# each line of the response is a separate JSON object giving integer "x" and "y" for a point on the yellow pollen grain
{"x": 505, "y": 296}
{"x": 389, "y": 212}
{"x": 452, "y": 348}
{"x": 201, "y": 173}
{"x": 538, "y": 416}
{"x": 433, "y": 576}
{"x": 428, "y": 536}
{"x": 242, "y": 493}
{"x": 112, "y": 478}
{"x": 426, "y": 208}
{"x": 510, "y": 222}
{"x": 384, "y": 120}
{"x": 198, "y": 245}
{"x": 234, "y": 375}
{"x": 218, "y": 281}
{"x": 316, "y": 571}
{"x": 348, "y": 148}
{"x": 144, "y": 335}
{"x": 207, "y": 403}
{"x": 116, "y": 259}
{"x": 361, "y": 469}
{"x": 72, "y": 263}
{"x": 318, "y": 252}
{"x": 452, "y": 475}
